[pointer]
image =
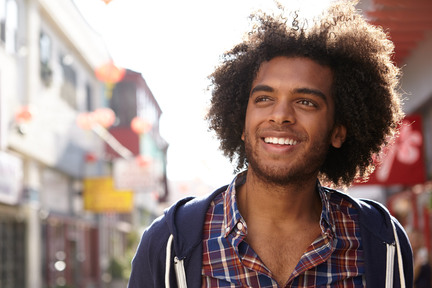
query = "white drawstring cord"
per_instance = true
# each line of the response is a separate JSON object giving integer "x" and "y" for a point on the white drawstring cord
{"x": 180, "y": 273}
{"x": 390, "y": 265}
{"x": 399, "y": 254}
{"x": 178, "y": 267}
{"x": 168, "y": 261}
{"x": 390, "y": 261}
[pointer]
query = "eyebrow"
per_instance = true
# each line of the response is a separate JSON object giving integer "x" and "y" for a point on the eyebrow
{"x": 261, "y": 88}
{"x": 266, "y": 88}
{"x": 312, "y": 92}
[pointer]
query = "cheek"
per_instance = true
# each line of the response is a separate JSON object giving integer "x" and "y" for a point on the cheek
{"x": 254, "y": 117}
{"x": 319, "y": 128}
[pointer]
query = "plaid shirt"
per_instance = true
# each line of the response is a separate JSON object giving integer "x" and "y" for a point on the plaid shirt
{"x": 334, "y": 259}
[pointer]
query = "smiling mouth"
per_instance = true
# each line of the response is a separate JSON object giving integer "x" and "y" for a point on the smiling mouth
{"x": 280, "y": 141}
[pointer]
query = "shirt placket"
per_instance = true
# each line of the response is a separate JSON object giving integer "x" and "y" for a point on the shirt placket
{"x": 249, "y": 259}
{"x": 322, "y": 248}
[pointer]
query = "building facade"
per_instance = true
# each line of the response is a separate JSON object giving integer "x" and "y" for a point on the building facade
{"x": 48, "y": 236}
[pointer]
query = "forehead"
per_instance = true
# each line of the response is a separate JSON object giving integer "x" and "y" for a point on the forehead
{"x": 294, "y": 68}
{"x": 293, "y": 73}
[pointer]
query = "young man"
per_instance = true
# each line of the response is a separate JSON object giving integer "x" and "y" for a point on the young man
{"x": 297, "y": 106}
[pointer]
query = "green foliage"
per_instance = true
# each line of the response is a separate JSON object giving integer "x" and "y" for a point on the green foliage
{"x": 120, "y": 268}
{"x": 116, "y": 268}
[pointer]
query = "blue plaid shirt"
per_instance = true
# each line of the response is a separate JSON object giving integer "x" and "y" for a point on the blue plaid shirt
{"x": 334, "y": 259}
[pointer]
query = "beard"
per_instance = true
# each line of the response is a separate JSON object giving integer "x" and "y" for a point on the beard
{"x": 304, "y": 165}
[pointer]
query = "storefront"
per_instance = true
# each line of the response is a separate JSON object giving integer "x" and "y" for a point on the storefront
{"x": 71, "y": 252}
{"x": 12, "y": 248}
{"x": 13, "y": 228}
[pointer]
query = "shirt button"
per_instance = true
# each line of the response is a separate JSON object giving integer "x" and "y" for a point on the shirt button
{"x": 239, "y": 226}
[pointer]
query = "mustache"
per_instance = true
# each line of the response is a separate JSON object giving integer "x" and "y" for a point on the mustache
{"x": 286, "y": 130}
{"x": 278, "y": 128}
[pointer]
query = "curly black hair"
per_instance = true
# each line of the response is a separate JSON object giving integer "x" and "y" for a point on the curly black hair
{"x": 365, "y": 83}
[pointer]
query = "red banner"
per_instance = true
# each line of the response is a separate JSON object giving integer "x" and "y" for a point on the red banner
{"x": 402, "y": 162}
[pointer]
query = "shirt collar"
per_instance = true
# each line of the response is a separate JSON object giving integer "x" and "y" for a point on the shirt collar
{"x": 326, "y": 221}
{"x": 232, "y": 214}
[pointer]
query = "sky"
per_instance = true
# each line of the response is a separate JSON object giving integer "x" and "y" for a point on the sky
{"x": 176, "y": 45}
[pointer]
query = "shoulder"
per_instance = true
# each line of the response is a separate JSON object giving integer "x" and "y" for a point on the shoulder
{"x": 184, "y": 219}
{"x": 377, "y": 235}
{"x": 373, "y": 217}
{"x": 364, "y": 206}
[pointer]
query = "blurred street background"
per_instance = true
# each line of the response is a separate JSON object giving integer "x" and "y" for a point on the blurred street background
{"x": 102, "y": 107}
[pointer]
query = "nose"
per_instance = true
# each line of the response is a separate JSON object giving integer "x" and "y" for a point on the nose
{"x": 282, "y": 113}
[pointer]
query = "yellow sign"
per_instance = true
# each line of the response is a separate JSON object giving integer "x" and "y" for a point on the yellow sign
{"x": 100, "y": 195}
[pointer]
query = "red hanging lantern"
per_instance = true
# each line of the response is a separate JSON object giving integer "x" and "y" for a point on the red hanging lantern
{"x": 90, "y": 157}
{"x": 143, "y": 161}
{"x": 155, "y": 195}
{"x": 85, "y": 120}
{"x": 23, "y": 115}
{"x": 140, "y": 126}
{"x": 110, "y": 73}
{"x": 104, "y": 116}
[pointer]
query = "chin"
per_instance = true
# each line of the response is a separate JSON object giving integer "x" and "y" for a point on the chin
{"x": 282, "y": 176}
{"x": 274, "y": 175}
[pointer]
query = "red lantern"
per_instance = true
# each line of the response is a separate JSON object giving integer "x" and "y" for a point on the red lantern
{"x": 155, "y": 195}
{"x": 110, "y": 73}
{"x": 143, "y": 161}
{"x": 23, "y": 115}
{"x": 85, "y": 120}
{"x": 104, "y": 116}
{"x": 140, "y": 126}
{"x": 90, "y": 157}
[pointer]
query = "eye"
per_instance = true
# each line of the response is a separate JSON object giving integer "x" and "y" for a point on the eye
{"x": 307, "y": 102}
{"x": 262, "y": 99}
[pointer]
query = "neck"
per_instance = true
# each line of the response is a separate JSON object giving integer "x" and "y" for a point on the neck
{"x": 291, "y": 203}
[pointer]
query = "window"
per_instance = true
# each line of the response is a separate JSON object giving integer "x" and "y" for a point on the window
{"x": 89, "y": 98}
{"x": 9, "y": 24}
{"x": 44, "y": 48}
{"x": 3, "y": 21}
{"x": 44, "y": 57}
{"x": 147, "y": 107}
{"x": 68, "y": 90}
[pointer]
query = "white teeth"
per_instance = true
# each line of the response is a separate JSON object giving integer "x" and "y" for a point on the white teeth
{"x": 280, "y": 141}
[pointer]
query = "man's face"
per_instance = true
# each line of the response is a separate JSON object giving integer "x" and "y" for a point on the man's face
{"x": 289, "y": 123}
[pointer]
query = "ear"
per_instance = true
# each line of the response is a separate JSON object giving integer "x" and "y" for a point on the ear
{"x": 338, "y": 136}
{"x": 242, "y": 136}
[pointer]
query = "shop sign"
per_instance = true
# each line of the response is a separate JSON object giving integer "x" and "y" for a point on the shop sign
{"x": 101, "y": 196}
{"x": 11, "y": 178}
{"x": 402, "y": 163}
{"x": 134, "y": 174}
